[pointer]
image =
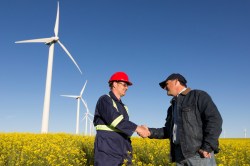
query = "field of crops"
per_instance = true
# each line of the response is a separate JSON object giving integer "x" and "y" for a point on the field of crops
{"x": 26, "y": 149}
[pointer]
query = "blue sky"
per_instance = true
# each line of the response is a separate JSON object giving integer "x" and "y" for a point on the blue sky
{"x": 206, "y": 41}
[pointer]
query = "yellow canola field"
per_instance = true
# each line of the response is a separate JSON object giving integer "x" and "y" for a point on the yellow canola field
{"x": 60, "y": 149}
{"x": 233, "y": 152}
{"x": 19, "y": 149}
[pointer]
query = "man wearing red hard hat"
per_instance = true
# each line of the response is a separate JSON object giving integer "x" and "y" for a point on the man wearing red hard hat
{"x": 112, "y": 143}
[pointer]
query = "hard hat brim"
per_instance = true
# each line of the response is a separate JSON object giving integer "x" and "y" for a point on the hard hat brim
{"x": 127, "y": 82}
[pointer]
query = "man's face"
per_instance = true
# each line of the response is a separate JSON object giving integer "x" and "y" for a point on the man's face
{"x": 171, "y": 87}
{"x": 121, "y": 88}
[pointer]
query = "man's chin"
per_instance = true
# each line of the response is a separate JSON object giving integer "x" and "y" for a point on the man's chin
{"x": 169, "y": 94}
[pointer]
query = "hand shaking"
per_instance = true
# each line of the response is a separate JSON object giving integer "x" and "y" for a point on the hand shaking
{"x": 143, "y": 131}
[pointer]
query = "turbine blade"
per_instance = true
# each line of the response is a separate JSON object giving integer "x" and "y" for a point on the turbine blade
{"x": 84, "y": 117}
{"x": 72, "y": 96}
{"x": 83, "y": 88}
{"x": 91, "y": 115}
{"x": 85, "y": 104}
{"x": 41, "y": 40}
{"x": 69, "y": 55}
{"x": 56, "y": 29}
{"x": 90, "y": 119}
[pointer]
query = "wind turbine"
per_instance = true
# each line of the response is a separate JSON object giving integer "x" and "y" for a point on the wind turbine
{"x": 50, "y": 42}
{"x": 78, "y": 97}
{"x": 87, "y": 118}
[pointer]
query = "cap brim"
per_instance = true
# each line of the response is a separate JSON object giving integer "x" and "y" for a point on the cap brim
{"x": 162, "y": 84}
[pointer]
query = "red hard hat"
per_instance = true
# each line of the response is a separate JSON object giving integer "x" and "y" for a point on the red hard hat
{"x": 120, "y": 76}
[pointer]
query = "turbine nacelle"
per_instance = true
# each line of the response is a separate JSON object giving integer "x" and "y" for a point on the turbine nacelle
{"x": 53, "y": 40}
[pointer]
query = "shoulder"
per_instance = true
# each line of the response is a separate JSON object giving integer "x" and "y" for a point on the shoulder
{"x": 199, "y": 92}
{"x": 105, "y": 96}
{"x": 201, "y": 95}
{"x": 105, "y": 99}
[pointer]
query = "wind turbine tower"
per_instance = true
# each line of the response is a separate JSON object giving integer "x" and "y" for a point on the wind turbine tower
{"x": 245, "y": 133}
{"x": 78, "y": 98}
{"x": 87, "y": 119}
{"x": 50, "y": 42}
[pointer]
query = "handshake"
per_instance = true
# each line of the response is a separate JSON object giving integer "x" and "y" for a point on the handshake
{"x": 143, "y": 131}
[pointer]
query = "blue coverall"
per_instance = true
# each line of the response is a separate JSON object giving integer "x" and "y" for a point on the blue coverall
{"x": 112, "y": 142}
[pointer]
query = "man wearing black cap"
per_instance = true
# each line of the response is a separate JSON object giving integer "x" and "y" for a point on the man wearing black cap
{"x": 193, "y": 124}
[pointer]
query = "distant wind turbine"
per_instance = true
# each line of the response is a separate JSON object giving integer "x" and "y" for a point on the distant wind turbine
{"x": 87, "y": 118}
{"x": 50, "y": 42}
{"x": 78, "y": 97}
{"x": 245, "y": 133}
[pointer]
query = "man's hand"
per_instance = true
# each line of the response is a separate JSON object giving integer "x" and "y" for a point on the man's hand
{"x": 143, "y": 131}
{"x": 204, "y": 154}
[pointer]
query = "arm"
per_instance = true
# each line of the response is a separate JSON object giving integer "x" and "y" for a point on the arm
{"x": 158, "y": 133}
{"x": 164, "y": 132}
{"x": 212, "y": 122}
{"x": 107, "y": 114}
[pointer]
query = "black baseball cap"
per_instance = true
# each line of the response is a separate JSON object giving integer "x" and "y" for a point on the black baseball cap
{"x": 173, "y": 76}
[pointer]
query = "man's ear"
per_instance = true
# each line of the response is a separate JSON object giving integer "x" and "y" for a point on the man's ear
{"x": 176, "y": 82}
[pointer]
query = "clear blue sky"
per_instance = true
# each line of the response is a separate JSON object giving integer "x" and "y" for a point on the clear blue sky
{"x": 206, "y": 41}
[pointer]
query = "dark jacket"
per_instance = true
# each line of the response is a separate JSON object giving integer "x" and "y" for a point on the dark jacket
{"x": 199, "y": 127}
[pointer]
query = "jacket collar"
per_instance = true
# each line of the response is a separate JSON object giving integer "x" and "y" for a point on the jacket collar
{"x": 112, "y": 95}
{"x": 184, "y": 93}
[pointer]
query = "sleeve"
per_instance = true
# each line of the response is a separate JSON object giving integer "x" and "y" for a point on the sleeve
{"x": 113, "y": 118}
{"x": 212, "y": 122}
{"x": 127, "y": 127}
{"x": 164, "y": 132}
{"x": 158, "y": 133}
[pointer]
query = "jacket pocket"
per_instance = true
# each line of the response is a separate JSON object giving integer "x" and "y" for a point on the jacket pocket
{"x": 190, "y": 122}
{"x": 188, "y": 113}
